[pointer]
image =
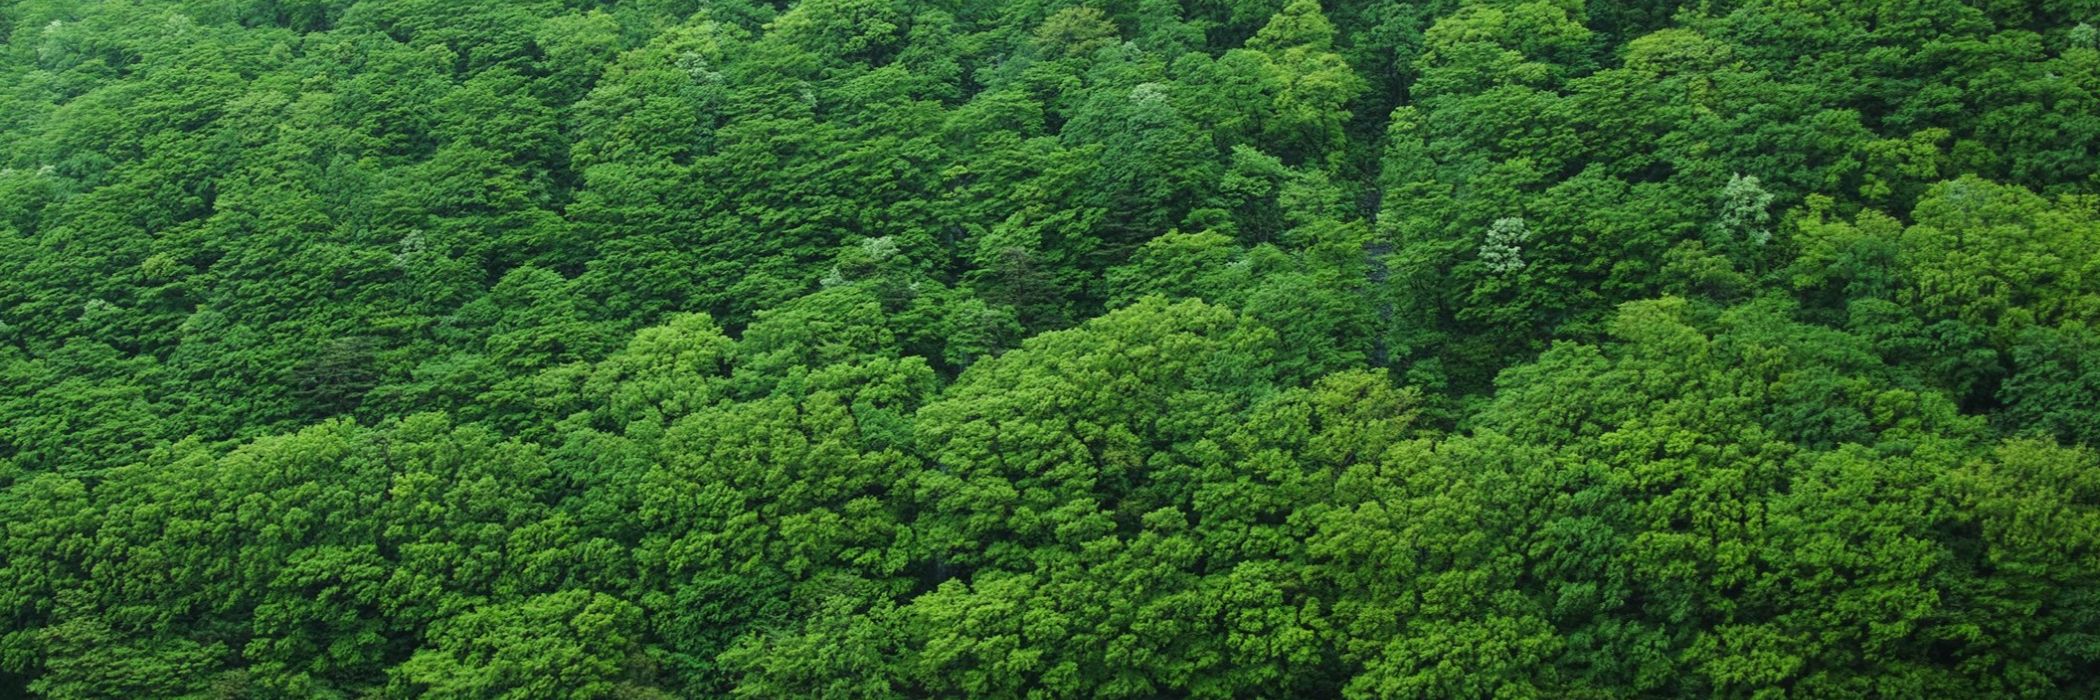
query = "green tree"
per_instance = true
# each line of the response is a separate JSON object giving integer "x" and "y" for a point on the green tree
{"x": 574, "y": 644}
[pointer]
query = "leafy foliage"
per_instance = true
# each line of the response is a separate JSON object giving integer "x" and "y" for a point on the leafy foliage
{"x": 865, "y": 348}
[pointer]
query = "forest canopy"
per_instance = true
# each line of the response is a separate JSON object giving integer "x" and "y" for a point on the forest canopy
{"x": 1049, "y": 348}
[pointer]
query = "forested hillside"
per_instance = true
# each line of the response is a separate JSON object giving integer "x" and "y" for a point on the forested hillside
{"x": 1049, "y": 348}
